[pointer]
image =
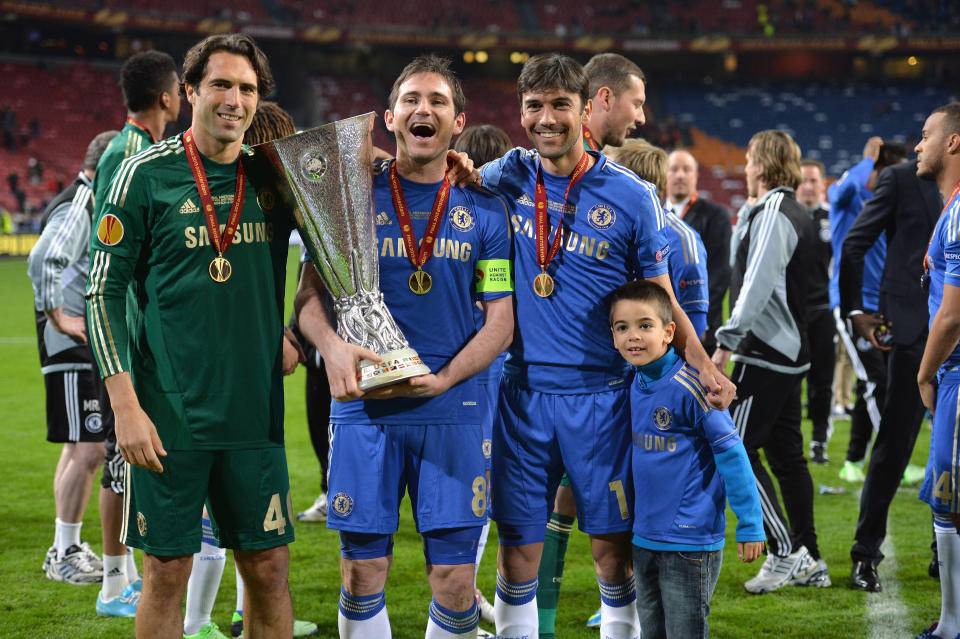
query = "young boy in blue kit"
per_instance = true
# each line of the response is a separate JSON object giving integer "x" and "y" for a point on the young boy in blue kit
{"x": 687, "y": 461}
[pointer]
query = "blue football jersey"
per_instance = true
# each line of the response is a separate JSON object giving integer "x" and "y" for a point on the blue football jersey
{"x": 943, "y": 260}
{"x": 470, "y": 261}
{"x": 688, "y": 270}
{"x": 612, "y": 233}
{"x": 676, "y": 434}
{"x": 847, "y": 197}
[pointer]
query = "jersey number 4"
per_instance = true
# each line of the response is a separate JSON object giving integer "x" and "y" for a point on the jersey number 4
{"x": 275, "y": 519}
{"x": 942, "y": 490}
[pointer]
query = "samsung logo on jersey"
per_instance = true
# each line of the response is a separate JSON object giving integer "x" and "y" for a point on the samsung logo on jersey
{"x": 574, "y": 242}
{"x": 247, "y": 233}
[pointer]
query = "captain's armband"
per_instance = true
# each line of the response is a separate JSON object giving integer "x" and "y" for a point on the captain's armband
{"x": 494, "y": 276}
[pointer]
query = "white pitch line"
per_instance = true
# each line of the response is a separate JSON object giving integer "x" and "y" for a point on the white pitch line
{"x": 885, "y": 610}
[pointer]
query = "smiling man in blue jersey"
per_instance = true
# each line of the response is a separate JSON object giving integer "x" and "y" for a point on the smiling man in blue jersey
{"x": 938, "y": 159}
{"x": 564, "y": 389}
{"x": 423, "y": 435}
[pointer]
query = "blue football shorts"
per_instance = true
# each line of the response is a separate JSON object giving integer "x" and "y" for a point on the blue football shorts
{"x": 940, "y": 484}
{"x": 537, "y": 436}
{"x": 441, "y": 466}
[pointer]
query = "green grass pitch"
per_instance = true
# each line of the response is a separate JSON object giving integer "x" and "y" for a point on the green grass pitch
{"x": 31, "y": 606}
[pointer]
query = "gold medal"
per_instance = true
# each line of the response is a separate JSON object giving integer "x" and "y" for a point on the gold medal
{"x": 543, "y": 285}
{"x": 220, "y": 269}
{"x": 420, "y": 282}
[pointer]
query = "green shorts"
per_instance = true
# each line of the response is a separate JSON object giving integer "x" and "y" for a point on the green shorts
{"x": 247, "y": 493}
{"x": 565, "y": 480}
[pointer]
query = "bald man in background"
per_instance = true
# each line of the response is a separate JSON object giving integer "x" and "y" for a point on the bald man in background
{"x": 712, "y": 222}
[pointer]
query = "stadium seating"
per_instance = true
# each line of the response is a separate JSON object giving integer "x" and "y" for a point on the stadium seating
{"x": 831, "y": 123}
{"x": 72, "y": 103}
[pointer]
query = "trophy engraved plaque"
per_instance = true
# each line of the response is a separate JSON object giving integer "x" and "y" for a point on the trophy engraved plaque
{"x": 325, "y": 176}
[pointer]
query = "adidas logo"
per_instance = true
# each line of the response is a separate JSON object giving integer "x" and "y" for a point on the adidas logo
{"x": 189, "y": 207}
{"x": 525, "y": 200}
{"x": 382, "y": 218}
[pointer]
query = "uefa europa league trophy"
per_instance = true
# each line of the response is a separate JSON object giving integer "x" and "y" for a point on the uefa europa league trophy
{"x": 325, "y": 176}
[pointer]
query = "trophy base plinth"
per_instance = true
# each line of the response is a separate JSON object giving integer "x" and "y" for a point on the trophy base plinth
{"x": 396, "y": 366}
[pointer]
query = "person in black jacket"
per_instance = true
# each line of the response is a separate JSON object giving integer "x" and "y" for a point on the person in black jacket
{"x": 811, "y": 195}
{"x": 712, "y": 222}
{"x": 906, "y": 209}
{"x": 766, "y": 338}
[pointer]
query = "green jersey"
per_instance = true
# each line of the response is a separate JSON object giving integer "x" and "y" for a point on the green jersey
{"x": 132, "y": 140}
{"x": 205, "y": 356}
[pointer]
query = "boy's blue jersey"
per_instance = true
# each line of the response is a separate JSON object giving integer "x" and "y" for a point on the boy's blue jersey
{"x": 847, "y": 197}
{"x": 470, "y": 261}
{"x": 688, "y": 270}
{"x": 676, "y": 435}
{"x": 613, "y": 232}
{"x": 943, "y": 262}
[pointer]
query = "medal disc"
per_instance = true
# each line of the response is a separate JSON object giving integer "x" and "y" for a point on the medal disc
{"x": 543, "y": 285}
{"x": 220, "y": 269}
{"x": 420, "y": 282}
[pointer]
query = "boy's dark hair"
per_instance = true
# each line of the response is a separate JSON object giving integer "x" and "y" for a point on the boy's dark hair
{"x": 644, "y": 291}
{"x": 890, "y": 153}
{"x": 483, "y": 143}
{"x": 270, "y": 122}
{"x": 143, "y": 77}
{"x": 195, "y": 62}
{"x": 430, "y": 63}
{"x": 611, "y": 70}
{"x": 554, "y": 71}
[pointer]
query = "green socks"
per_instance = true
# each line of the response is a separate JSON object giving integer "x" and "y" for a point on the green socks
{"x": 551, "y": 572}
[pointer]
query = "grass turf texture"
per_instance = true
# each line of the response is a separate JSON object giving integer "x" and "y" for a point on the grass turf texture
{"x": 32, "y": 606}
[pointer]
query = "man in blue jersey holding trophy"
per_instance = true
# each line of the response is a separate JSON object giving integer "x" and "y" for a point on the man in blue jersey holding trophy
{"x": 440, "y": 249}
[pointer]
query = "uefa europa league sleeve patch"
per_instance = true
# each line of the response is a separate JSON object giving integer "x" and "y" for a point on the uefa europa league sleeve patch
{"x": 110, "y": 230}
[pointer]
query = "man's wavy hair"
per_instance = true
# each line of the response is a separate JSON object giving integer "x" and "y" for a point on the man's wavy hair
{"x": 195, "y": 62}
{"x": 780, "y": 157}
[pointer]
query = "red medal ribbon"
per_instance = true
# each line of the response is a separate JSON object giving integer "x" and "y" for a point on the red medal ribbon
{"x": 926, "y": 254}
{"x": 220, "y": 245}
{"x": 590, "y": 140}
{"x": 418, "y": 256}
{"x": 693, "y": 198}
{"x": 142, "y": 128}
{"x": 542, "y": 220}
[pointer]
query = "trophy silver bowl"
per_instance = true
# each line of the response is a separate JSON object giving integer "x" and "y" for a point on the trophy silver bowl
{"x": 325, "y": 176}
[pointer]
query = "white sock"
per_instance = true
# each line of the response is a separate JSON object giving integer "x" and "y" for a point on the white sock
{"x": 56, "y": 534}
{"x": 69, "y": 535}
{"x": 363, "y": 617}
{"x": 240, "y": 589}
{"x": 515, "y": 610}
{"x": 114, "y": 576}
{"x": 618, "y": 610}
{"x": 132, "y": 574}
{"x": 481, "y": 544}
{"x": 449, "y": 624}
{"x": 203, "y": 585}
{"x": 948, "y": 549}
